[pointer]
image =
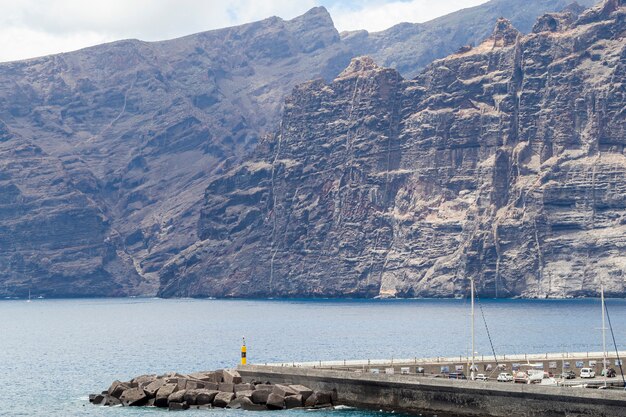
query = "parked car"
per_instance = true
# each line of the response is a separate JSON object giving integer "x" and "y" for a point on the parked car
{"x": 457, "y": 375}
{"x": 587, "y": 373}
{"x": 520, "y": 377}
{"x": 537, "y": 376}
{"x": 610, "y": 373}
{"x": 568, "y": 375}
{"x": 505, "y": 377}
{"x": 481, "y": 377}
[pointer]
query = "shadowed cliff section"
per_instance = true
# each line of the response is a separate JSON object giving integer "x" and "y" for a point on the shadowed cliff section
{"x": 136, "y": 130}
{"x": 504, "y": 162}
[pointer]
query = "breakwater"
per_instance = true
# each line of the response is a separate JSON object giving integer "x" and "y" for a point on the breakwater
{"x": 211, "y": 389}
{"x": 413, "y": 386}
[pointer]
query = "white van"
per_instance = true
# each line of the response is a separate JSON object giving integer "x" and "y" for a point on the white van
{"x": 587, "y": 373}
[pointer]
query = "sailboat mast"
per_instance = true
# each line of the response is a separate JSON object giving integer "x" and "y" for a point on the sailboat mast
{"x": 473, "y": 340}
{"x": 603, "y": 334}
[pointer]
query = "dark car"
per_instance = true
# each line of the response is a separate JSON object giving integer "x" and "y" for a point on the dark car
{"x": 568, "y": 375}
{"x": 456, "y": 375}
{"x": 610, "y": 373}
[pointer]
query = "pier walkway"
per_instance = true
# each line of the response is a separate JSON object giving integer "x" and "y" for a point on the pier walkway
{"x": 421, "y": 385}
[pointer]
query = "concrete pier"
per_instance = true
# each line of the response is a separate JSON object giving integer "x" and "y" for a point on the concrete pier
{"x": 393, "y": 388}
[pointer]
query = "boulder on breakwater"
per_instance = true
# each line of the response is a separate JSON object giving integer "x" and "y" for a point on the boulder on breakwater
{"x": 210, "y": 389}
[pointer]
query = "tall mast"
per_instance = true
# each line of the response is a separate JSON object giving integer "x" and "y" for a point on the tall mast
{"x": 473, "y": 341}
{"x": 603, "y": 334}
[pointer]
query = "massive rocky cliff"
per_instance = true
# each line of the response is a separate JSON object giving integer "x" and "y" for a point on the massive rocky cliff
{"x": 106, "y": 155}
{"x": 503, "y": 163}
{"x": 123, "y": 141}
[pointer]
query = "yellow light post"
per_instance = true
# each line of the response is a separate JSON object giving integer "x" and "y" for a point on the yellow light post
{"x": 243, "y": 351}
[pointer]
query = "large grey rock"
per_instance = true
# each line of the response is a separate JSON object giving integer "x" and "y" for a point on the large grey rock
{"x": 177, "y": 396}
{"x": 111, "y": 401}
{"x": 206, "y": 397}
{"x": 214, "y": 386}
{"x": 226, "y": 387}
{"x": 222, "y": 399}
{"x": 154, "y": 386}
{"x": 133, "y": 397}
{"x": 302, "y": 390}
{"x": 260, "y": 396}
{"x": 161, "y": 397}
{"x": 207, "y": 376}
{"x": 293, "y": 401}
{"x": 283, "y": 390}
{"x": 243, "y": 387}
{"x": 117, "y": 388}
{"x": 96, "y": 399}
{"x": 245, "y": 403}
{"x": 231, "y": 377}
{"x": 143, "y": 379}
{"x": 194, "y": 384}
{"x": 180, "y": 382}
{"x": 275, "y": 401}
{"x": 177, "y": 406}
{"x": 190, "y": 396}
{"x": 247, "y": 394}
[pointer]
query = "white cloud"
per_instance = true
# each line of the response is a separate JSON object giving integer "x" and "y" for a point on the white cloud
{"x": 377, "y": 17}
{"x": 20, "y": 42}
{"x": 30, "y": 28}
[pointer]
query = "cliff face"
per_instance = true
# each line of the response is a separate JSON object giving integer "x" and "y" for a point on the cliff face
{"x": 119, "y": 161}
{"x": 58, "y": 239}
{"x": 504, "y": 163}
{"x": 124, "y": 139}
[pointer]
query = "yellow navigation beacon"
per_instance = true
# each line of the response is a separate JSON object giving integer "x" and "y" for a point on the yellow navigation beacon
{"x": 243, "y": 351}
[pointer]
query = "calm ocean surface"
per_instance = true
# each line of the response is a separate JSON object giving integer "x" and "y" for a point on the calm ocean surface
{"x": 53, "y": 353}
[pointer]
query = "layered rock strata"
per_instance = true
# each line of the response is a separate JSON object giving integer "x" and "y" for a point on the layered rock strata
{"x": 503, "y": 163}
{"x": 129, "y": 135}
{"x": 124, "y": 138}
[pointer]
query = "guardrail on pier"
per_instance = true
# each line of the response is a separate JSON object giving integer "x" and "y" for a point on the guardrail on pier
{"x": 447, "y": 360}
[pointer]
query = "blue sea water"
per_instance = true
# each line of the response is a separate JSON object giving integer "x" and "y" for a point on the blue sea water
{"x": 53, "y": 353}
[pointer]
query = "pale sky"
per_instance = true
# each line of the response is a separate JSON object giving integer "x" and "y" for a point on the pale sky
{"x": 30, "y": 28}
